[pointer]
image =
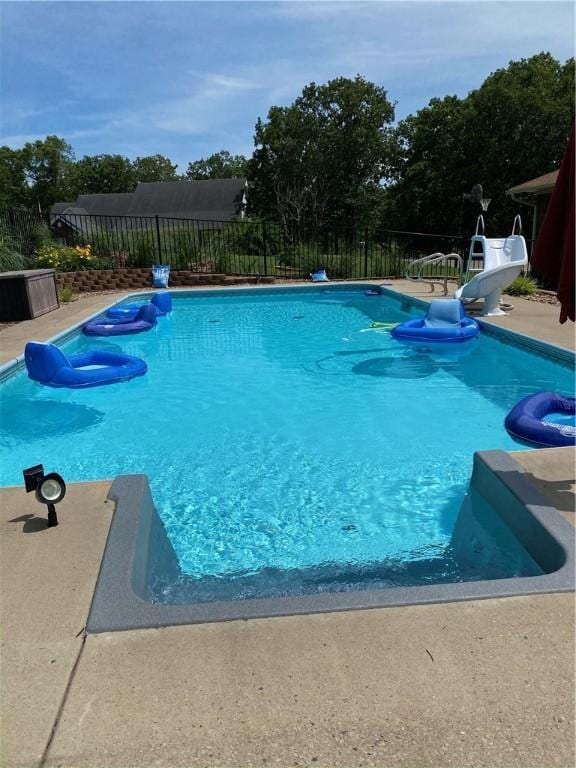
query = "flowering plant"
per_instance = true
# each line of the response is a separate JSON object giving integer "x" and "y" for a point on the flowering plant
{"x": 65, "y": 258}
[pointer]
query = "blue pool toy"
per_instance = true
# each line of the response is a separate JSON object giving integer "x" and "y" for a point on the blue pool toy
{"x": 545, "y": 419}
{"x": 144, "y": 320}
{"x": 160, "y": 275}
{"x": 162, "y": 302}
{"x": 47, "y": 364}
{"x": 319, "y": 276}
{"x": 444, "y": 322}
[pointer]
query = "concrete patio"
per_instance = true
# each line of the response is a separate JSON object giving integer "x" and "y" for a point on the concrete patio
{"x": 470, "y": 684}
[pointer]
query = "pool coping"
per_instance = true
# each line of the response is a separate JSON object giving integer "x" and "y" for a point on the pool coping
{"x": 136, "y": 531}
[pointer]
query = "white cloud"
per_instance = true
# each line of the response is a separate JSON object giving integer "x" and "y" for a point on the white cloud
{"x": 200, "y": 74}
{"x": 227, "y": 83}
{"x": 18, "y": 140}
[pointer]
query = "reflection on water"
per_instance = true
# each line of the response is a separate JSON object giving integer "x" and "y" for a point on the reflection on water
{"x": 27, "y": 419}
{"x": 416, "y": 367}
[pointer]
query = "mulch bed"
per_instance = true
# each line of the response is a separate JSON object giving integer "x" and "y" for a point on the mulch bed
{"x": 541, "y": 297}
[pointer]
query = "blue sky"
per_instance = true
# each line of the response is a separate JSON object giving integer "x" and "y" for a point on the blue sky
{"x": 186, "y": 79}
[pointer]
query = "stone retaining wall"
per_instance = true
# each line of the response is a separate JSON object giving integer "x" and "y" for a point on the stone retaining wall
{"x": 138, "y": 278}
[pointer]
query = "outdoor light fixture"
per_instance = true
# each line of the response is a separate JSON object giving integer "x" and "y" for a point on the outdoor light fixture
{"x": 50, "y": 489}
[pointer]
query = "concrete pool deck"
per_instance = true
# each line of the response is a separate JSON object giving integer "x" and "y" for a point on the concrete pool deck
{"x": 479, "y": 683}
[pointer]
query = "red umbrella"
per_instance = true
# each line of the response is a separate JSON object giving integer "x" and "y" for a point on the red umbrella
{"x": 554, "y": 252}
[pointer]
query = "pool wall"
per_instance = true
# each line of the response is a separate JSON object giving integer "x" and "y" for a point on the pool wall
{"x": 138, "y": 550}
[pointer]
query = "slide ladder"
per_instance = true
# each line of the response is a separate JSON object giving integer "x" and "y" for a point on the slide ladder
{"x": 433, "y": 258}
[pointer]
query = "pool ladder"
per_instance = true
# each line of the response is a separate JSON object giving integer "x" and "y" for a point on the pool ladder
{"x": 434, "y": 258}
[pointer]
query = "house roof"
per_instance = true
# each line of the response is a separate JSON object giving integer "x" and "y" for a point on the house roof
{"x": 538, "y": 186}
{"x": 211, "y": 199}
{"x": 112, "y": 204}
{"x": 60, "y": 207}
{"x": 215, "y": 199}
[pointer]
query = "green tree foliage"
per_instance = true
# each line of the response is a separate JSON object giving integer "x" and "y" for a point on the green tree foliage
{"x": 511, "y": 129}
{"x": 13, "y": 189}
{"x": 221, "y": 165}
{"x": 36, "y": 172}
{"x": 154, "y": 168}
{"x": 321, "y": 160}
{"x": 100, "y": 174}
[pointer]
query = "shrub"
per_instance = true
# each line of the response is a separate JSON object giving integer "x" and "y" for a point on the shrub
{"x": 254, "y": 237}
{"x": 522, "y": 286}
{"x": 65, "y": 258}
{"x": 66, "y": 295}
{"x": 182, "y": 248}
{"x": 142, "y": 249}
{"x": 11, "y": 258}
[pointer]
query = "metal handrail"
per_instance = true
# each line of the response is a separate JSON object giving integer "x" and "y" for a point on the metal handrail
{"x": 434, "y": 258}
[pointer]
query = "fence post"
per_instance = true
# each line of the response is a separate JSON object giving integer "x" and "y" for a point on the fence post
{"x": 265, "y": 245}
{"x": 366, "y": 252}
{"x": 158, "y": 237}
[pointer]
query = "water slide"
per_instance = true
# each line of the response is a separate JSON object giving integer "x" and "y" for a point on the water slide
{"x": 504, "y": 259}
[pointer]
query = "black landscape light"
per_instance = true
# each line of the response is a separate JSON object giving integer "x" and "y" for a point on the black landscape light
{"x": 50, "y": 489}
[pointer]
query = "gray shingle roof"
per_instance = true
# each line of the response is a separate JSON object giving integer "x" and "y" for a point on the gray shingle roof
{"x": 59, "y": 207}
{"x": 113, "y": 204}
{"x": 215, "y": 199}
{"x": 212, "y": 199}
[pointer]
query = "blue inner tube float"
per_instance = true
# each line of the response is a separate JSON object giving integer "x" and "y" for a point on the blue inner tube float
{"x": 445, "y": 322}
{"x": 47, "y": 364}
{"x": 144, "y": 320}
{"x": 162, "y": 302}
{"x": 545, "y": 419}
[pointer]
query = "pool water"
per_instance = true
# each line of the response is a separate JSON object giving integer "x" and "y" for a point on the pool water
{"x": 289, "y": 446}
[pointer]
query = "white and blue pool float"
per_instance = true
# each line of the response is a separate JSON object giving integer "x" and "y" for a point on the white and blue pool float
{"x": 445, "y": 322}
{"x": 545, "y": 419}
{"x": 144, "y": 320}
{"x": 319, "y": 276}
{"x": 162, "y": 302}
{"x": 160, "y": 275}
{"x": 47, "y": 364}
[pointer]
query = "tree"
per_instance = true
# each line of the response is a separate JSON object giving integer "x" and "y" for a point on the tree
{"x": 322, "y": 160}
{"x": 14, "y": 192}
{"x": 511, "y": 129}
{"x": 45, "y": 168}
{"x": 433, "y": 168}
{"x": 520, "y": 123}
{"x": 101, "y": 174}
{"x": 154, "y": 168}
{"x": 221, "y": 165}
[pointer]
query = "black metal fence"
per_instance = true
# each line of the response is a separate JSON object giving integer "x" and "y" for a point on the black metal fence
{"x": 20, "y": 231}
{"x": 246, "y": 247}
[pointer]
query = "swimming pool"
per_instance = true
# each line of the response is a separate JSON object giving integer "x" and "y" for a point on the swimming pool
{"x": 292, "y": 449}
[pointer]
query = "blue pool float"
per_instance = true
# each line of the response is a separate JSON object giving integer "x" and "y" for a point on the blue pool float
{"x": 445, "y": 322}
{"x": 532, "y": 420}
{"x": 47, "y": 364}
{"x": 144, "y": 320}
{"x": 319, "y": 276}
{"x": 162, "y": 302}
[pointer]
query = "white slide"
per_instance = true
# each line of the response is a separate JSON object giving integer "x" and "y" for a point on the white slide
{"x": 504, "y": 259}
